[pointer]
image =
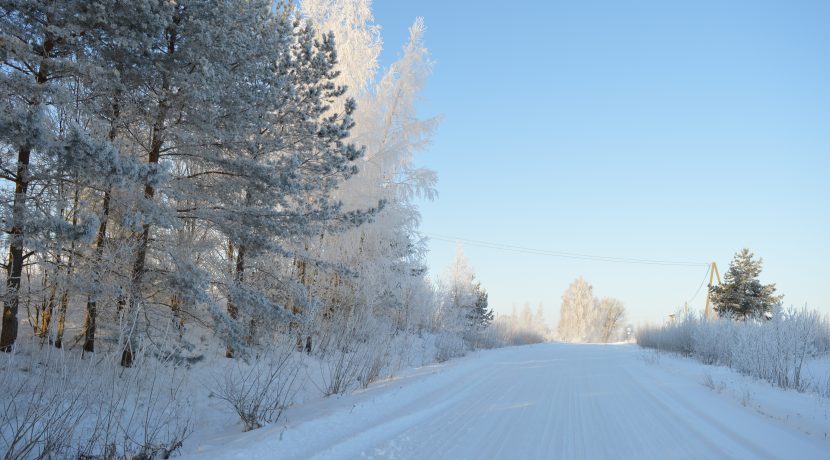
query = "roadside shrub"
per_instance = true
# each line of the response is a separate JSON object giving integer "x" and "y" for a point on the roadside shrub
{"x": 41, "y": 407}
{"x": 449, "y": 345}
{"x": 57, "y": 405}
{"x": 355, "y": 347}
{"x": 677, "y": 337}
{"x": 260, "y": 390}
{"x": 775, "y": 350}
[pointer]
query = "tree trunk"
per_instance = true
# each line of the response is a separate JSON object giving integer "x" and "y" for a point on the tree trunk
{"x": 233, "y": 312}
{"x": 11, "y": 303}
{"x": 239, "y": 277}
{"x": 92, "y": 305}
{"x": 91, "y": 314}
{"x": 175, "y": 308}
{"x": 144, "y": 238}
{"x": 65, "y": 293}
{"x": 61, "y": 318}
{"x": 302, "y": 273}
{"x": 156, "y": 142}
{"x": 46, "y": 313}
{"x": 89, "y": 326}
{"x": 8, "y": 334}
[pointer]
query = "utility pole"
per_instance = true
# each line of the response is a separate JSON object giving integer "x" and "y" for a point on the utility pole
{"x": 713, "y": 270}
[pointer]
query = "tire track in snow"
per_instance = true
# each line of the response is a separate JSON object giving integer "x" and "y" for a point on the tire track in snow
{"x": 437, "y": 400}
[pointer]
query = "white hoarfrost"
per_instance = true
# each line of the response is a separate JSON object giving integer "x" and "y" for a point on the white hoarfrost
{"x": 584, "y": 318}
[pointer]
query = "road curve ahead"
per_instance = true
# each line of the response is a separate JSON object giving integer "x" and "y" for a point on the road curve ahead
{"x": 548, "y": 401}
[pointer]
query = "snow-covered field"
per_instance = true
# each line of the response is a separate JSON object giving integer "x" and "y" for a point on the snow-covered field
{"x": 546, "y": 401}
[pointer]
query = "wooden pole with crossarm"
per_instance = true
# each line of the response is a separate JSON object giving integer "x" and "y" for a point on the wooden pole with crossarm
{"x": 713, "y": 271}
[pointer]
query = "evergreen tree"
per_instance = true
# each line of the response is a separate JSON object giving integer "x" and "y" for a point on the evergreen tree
{"x": 742, "y": 296}
{"x": 480, "y": 315}
{"x": 458, "y": 294}
{"x": 50, "y": 155}
{"x": 162, "y": 164}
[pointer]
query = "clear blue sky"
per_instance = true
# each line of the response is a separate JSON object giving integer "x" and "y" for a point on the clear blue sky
{"x": 681, "y": 130}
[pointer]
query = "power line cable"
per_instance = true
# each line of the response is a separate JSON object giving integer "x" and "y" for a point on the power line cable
{"x": 706, "y": 275}
{"x": 562, "y": 254}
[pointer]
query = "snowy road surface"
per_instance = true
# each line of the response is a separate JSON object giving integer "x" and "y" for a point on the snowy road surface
{"x": 542, "y": 401}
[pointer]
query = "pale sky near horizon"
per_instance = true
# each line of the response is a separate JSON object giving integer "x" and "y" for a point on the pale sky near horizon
{"x": 678, "y": 131}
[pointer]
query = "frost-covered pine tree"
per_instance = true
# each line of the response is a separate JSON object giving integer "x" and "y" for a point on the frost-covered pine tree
{"x": 270, "y": 179}
{"x": 742, "y": 295}
{"x": 481, "y": 315}
{"x": 52, "y": 153}
{"x": 164, "y": 164}
{"x": 458, "y": 294}
{"x": 174, "y": 157}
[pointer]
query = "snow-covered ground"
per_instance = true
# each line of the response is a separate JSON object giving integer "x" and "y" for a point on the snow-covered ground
{"x": 546, "y": 401}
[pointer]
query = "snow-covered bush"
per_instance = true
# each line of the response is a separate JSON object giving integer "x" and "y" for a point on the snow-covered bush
{"x": 141, "y": 412}
{"x": 346, "y": 349}
{"x": 710, "y": 340}
{"x": 492, "y": 337}
{"x": 709, "y": 382}
{"x": 651, "y": 358}
{"x": 449, "y": 345}
{"x": 509, "y": 330}
{"x": 676, "y": 336}
{"x": 60, "y": 406}
{"x": 260, "y": 390}
{"x": 377, "y": 356}
{"x": 41, "y": 407}
{"x": 775, "y": 350}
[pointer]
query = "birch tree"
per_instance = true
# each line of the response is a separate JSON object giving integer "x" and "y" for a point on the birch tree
{"x": 611, "y": 319}
{"x": 385, "y": 256}
{"x": 576, "y": 312}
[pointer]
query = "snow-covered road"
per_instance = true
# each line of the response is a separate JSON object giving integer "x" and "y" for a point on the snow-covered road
{"x": 542, "y": 401}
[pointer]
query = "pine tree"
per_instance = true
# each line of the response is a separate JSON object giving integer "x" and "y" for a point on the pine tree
{"x": 742, "y": 295}
{"x": 457, "y": 294}
{"x": 271, "y": 178}
{"x": 480, "y": 315}
{"x": 161, "y": 163}
{"x": 47, "y": 151}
